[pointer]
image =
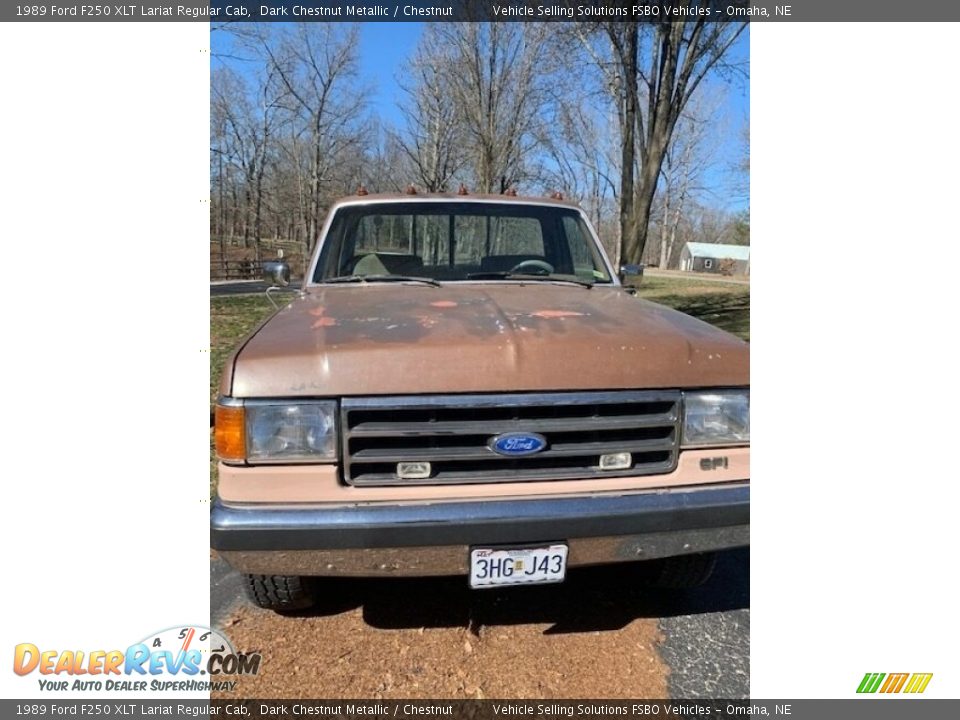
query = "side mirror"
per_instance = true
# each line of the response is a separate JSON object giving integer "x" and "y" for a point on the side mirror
{"x": 631, "y": 275}
{"x": 277, "y": 273}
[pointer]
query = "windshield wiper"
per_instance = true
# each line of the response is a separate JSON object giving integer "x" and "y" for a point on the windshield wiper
{"x": 506, "y": 275}
{"x": 382, "y": 278}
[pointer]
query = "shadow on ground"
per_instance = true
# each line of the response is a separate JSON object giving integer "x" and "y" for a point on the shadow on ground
{"x": 727, "y": 312}
{"x": 591, "y": 599}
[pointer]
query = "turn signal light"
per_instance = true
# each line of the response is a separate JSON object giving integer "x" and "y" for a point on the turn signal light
{"x": 230, "y": 433}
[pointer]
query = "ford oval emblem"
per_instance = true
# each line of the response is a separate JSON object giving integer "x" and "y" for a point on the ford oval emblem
{"x": 517, "y": 443}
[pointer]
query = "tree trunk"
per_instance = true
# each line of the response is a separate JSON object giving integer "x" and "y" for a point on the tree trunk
{"x": 628, "y": 225}
{"x": 258, "y": 217}
{"x": 248, "y": 207}
{"x": 647, "y": 188}
{"x": 222, "y": 221}
{"x": 664, "y": 249}
{"x": 315, "y": 184}
{"x": 673, "y": 235}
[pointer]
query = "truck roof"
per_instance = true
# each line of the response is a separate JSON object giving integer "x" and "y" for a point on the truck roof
{"x": 455, "y": 197}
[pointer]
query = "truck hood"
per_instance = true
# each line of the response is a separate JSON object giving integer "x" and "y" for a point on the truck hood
{"x": 380, "y": 339}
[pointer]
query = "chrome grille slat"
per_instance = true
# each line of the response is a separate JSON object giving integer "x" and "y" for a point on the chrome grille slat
{"x": 452, "y": 433}
{"x": 484, "y": 453}
{"x": 371, "y": 429}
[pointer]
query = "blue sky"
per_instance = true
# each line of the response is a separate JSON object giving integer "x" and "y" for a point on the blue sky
{"x": 384, "y": 47}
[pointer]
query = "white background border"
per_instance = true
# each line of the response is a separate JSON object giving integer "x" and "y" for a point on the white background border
{"x": 855, "y": 270}
{"x": 105, "y": 182}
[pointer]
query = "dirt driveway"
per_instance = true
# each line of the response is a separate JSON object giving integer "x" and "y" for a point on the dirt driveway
{"x": 600, "y": 634}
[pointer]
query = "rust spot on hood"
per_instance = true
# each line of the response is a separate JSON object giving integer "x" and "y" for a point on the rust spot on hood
{"x": 322, "y": 320}
{"x": 547, "y": 314}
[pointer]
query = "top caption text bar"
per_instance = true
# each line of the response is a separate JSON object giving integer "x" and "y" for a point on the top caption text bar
{"x": 220, "y": 11}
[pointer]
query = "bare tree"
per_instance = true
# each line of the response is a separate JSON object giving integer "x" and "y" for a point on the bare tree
{"x": 688, "y": 157}
{"x": 582, "y": 163}
{"x": 219, "y": 165}
{"x": 742, "y": 166}
{"x": 433, "y": 139}
{"x": 317, "y": 65}
{"x": 652, "y": 70}
{"x": 498, "y": 75}
{"x": 389, "y": 168}
{"x": 245, "y": 116}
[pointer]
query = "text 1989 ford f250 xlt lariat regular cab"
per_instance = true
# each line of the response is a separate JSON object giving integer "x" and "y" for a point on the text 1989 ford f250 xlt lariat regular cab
{"x": 464, "y": 386}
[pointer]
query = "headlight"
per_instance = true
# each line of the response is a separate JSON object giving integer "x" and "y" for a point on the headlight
{"x": 279, "y": 432}
{"x": 716, "y": 418}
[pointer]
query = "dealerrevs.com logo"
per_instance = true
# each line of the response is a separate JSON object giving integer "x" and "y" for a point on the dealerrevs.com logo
{"x": 911, "y": 683}
{"x": 182, "y": 659}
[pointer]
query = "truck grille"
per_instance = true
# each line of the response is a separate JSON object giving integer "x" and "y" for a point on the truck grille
{"x": 452, "y": 433}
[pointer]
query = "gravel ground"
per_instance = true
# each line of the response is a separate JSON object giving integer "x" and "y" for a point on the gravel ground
{"x": 600, "y": 634}
{"x": 707, "y": 637}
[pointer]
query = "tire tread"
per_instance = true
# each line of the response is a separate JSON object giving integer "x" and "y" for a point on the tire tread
{"x": 281, "y": 593}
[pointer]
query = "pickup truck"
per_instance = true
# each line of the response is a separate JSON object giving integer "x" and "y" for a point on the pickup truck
{"x": 464, "y": 385}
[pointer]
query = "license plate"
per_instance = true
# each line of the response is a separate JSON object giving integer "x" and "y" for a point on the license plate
{"x": 497, "y": 567}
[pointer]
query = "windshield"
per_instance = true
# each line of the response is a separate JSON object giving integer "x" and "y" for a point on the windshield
{"x": 459, "y": 241}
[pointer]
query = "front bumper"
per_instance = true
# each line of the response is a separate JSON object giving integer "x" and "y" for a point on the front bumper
{"x": 435, "y": 539}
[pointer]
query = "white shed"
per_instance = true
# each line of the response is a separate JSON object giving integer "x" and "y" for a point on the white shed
{"x": 715, "y": 258}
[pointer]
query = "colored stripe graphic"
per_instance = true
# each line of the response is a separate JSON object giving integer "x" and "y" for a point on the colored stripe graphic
{"x": 915, "y": 683}
{"x": 918, "y": 682}
{"x": 894, "y": 682}
{"x": 870, "y": 682}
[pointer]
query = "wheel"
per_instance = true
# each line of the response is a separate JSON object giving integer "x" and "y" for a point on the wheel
{"x": 684, "y": 571}
{"x": 280, "y": 593}
{"x": 533, "y": 267}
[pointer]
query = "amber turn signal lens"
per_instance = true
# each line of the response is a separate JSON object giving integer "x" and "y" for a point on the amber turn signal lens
{"x": 230, "y": 434}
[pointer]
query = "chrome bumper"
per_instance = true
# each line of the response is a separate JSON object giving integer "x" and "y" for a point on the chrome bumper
{"x": 435, "y": 539}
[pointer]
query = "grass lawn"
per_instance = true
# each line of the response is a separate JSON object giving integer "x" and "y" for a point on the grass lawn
{"x": 725, "y": 305}
{"x": 231, "y": 318}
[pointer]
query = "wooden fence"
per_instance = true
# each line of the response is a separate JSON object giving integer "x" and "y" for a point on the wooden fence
{"x": 235, "y": 270}
{"x": 237, "y": 262}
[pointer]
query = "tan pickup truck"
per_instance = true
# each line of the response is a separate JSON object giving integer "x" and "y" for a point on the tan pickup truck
{"x": 465, "y": 386}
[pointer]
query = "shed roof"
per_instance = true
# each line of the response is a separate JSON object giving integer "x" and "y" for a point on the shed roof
{"x": 718, "y": 251}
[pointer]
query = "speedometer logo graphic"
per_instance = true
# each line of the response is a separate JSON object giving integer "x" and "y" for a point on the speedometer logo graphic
{"x": 182, "y": 640}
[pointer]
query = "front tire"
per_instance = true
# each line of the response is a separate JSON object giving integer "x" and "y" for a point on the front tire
{"x": 280, "y": 593}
